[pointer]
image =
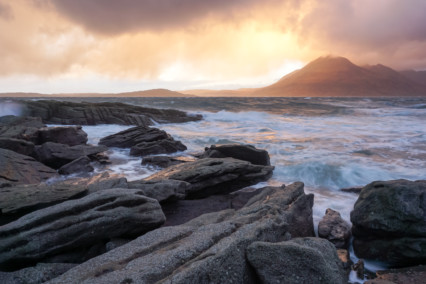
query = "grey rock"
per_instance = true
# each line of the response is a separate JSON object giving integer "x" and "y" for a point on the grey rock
{"x": 166, "y": 161}
{"x": 163, "y": 190}
{"x": 241, "y": 152}
{"x": 77, "y": 224}
{"x": 165, "y": 146}
{"x": 19, "y": 169}
{"x": 300, "y": 260}
{"x": 57, "y": 155}
{"x": 208, "y": 249}
{"x": 69, "y": 135}
{"x": 20, "y": 146}
{"x": 389, "y": 222}
{"x": 79, "y": 165}
{"x": 211, "y": 176}
{"x": 333, "y": 228}
{"x": 25, "y": 128}
{"x": 72, "y": 113}
{"x": 40, "y": 273}
{"x": 413, "y": 275}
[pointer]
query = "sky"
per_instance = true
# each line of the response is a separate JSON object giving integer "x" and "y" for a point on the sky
{"x": 109, "y": 46}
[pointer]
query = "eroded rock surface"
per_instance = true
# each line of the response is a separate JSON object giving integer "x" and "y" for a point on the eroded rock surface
{"x": 208, "y": 249}
{"x": 210, "y": 176}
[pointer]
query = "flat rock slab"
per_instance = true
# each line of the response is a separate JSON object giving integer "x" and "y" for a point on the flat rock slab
{"x": 71, "y": 113}
{"x": 208, "y": 249}
{"x": 19, "y": 169}
{"x": 211, "y": 176}
{"x": 241, "y": 152}
{"x": 77, "y": 224}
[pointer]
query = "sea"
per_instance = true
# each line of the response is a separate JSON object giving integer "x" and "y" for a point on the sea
{"x": 327, "y": 143}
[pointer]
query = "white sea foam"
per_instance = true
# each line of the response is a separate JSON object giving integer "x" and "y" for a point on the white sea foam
{"x": 10, "y": 108}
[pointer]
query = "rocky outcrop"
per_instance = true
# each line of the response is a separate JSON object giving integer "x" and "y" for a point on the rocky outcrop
{"x": 25, "y": 128}
{"x": 79, "y": 165}
{"x": 163, "y": 190}
{"x": 165, "y": 161}
{"x": 57, "y": 155}
{"x": 19, "y": 169}
{"x": 69, "y": 135}
{"x": 389, "y": 222}
{"x": 20, "y": 146}
{"x": 77, "y": 224}
{"x": 300, "y": 260}
{"x": 71, "y": 113}
{"x": 241, "y": 152}
{"x": 40, "y": 273}
{"x": 208, "y": 249}
{"x": 143, "y": 141}
{"x": 210, "y": 176}
{"x": 333, "y": 228}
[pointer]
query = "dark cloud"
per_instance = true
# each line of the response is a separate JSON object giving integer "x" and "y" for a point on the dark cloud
{"x": 5, "y": 11}
{"x": 113, "y": 17}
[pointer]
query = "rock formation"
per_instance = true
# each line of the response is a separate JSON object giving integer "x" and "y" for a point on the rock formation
{"x": 241, "y": 152}
{"x": 333, "y": 228}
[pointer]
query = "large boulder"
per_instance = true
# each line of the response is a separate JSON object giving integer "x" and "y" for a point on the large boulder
{"x": 300, "y": 260}
{"x": 19, "y": 169}
{"x": 241, "y": 152}
{"x": 333, "y": 228}
{"x": 210, "y": 176}
{"x": 389, "y": 222}
{"x": 20, "y": 146}
{"x": 56, "y": 155}
{"x": 208, "y": 249}
{"x": 77, "y": 224}
{"x": 72, "y": 113}
{"x": 143, "y": 141}
{"x": 25, "y": 128}
{"x": 69, "y": 135}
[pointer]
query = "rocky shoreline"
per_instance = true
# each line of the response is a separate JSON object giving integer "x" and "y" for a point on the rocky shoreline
{"x": 195, "y": 221}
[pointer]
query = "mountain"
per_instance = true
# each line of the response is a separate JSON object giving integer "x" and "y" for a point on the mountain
{"x": 337, "y": 76}
{"x": 416, "y": 76}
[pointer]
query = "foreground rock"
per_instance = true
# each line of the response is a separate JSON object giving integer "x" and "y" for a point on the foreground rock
{"x": 77, "y": 224}
{"x": 35, "y": 275}
{"x": 241, "y": 152}
{"x": 57, "y": 155}
{"x": 19, "y": 169}
{"x": 143, "y": 141}
{"x": 333, "y": 228}
{"x": 300, "y": 260}
{"x": 208, "y": 249}
{"x": 70, "y": 113}
{"x": 211, "y": 176}
{"x": 389, "y": 222}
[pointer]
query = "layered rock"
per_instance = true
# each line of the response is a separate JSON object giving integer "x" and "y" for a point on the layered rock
{"x": 25, "y": 128}
{"x": 163, "y": 190}
{"x": 300, "y": 260}
{"x": 77, "y": 224}
{"x": 208, "y": 249}
{"x": 57, "y": 155}
{"x": 143, "y": 141}
{"x": 210, "y": 176}
{"x": 19, "y": 169}
{"x": 333, "y": 228}
{"x": 389, "y": 222}
{"x": 69, "y": 135}
{"x": 241, "y": 152}
{"x": 71, "y": 113}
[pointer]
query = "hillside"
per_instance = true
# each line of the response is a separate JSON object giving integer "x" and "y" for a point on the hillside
{"x": 417, "y": 76}
{"x": 337, "y": 76}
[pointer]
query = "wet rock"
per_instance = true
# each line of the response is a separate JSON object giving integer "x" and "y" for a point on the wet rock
{"x": 300, "y": 260}
{"x": 77, "y": 224}
{"x": 19, "y": 169}
{"x": 71, "y": 113}
{"x": 208, "y": 249}
{"x": 333, "y": 228}
{"x": 165, "y": 161}
{"x": 57, "y": 155}
{"x": 69, "y": 135}
{"x": 25, "y": 128}
{"x": 40, "y": 273}
{"x": 389, "y": 222}
{"x": 80, "y": 165}
{"x": 20, "y": 146}
{"x": 211, "y": 176}
{"x": 165, "y": 146}
{"x": 241, "y": 152}
{"x": 163, "y": 190}
{"x": 416, "y": 274}
{"x": 356, "y": 190}
{"x": 359, "y": 269}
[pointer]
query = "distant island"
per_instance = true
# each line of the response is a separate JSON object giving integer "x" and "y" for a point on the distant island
{"x": 324, "y": 77}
